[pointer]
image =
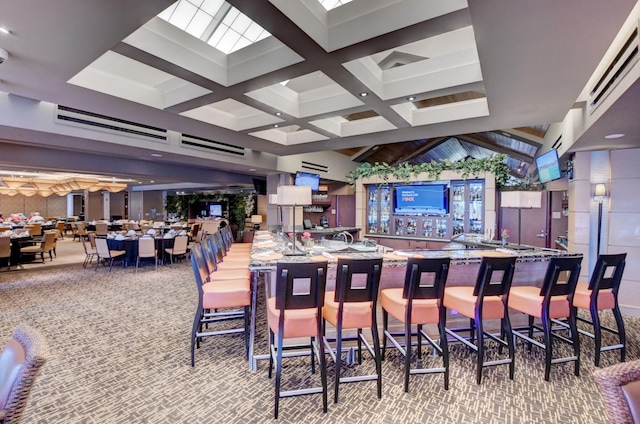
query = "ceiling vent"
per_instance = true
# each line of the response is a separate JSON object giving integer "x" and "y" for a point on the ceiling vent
{"x": 314, "y": 166}
{"x": 617, "y": 69}
{"x": 216, "y": 146}
{"x": 81, "y": 118}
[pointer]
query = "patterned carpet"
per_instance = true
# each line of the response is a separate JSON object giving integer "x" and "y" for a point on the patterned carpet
{"x": 119, "y": 347}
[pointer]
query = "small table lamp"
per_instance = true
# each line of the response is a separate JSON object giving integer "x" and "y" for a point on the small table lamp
{"x": 256, "y": 220}
{"x": 295, "y": 196}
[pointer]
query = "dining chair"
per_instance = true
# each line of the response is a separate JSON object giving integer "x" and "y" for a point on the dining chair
{"x": 60, "y": 228}
{"x": 486, "y": 300}
{"x": 20, "y": 360}
{"x": 179, "y": 248}
{"x": 296, "y": 312}
{"x": 44, "y": 246}
{"x": 620, "y": 389}
{"x": 601, "y": 293}
{"x": 418, "y": 302}
{"x": 352, "y": 306}
{"x": 89, "y": 252}
{"x": 207, "y": 256}
{"x": 554, "y": 300}
{"x": 102, "y": 229}
{"x": 218, "y": 302}
{"x": 5, "y": 249}
{"x": 147, "y": 250}
{"x": 105, "y": 254}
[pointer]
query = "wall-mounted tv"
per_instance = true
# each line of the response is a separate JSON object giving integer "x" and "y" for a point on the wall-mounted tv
{"x": 427, "y": 199}
{"x": 307, "y": 179}
{"x": 548, "y": 166}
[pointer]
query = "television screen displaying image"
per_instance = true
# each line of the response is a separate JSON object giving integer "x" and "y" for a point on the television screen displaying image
{"x": 548, "y": 166}
{"x": 308, "y": 180}
{"x": 431, "y": 199}
{"x": 215, "y": 209}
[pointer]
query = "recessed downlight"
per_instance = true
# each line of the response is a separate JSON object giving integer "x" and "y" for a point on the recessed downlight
{"x": 411, "y": 98}
{"x": 617, "y": 135}
{"x": 278, "y": 113}
{"x": 156, "y": 155}
{"x": 275, "y": 125}
{"x": 364, "y": 94}
{"x": 252, "y": 169}
{"x": 3, "y": 30}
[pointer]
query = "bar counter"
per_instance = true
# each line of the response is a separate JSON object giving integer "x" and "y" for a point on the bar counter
{"x": 531, "y": 265}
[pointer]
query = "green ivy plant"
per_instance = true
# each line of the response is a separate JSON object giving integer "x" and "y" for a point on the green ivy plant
{"x": 466, "y": 168}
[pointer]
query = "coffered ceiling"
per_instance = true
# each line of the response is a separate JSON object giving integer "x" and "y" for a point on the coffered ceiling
{"x": 375, "y": 80}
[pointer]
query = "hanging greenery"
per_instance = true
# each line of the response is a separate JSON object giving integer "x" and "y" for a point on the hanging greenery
{"x": 466, "y": 168}
{"x": 241, "y": 205}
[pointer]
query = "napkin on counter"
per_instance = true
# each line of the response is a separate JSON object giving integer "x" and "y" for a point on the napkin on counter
{"x": 328, "y": 255}
{"x": 407, "y": 254}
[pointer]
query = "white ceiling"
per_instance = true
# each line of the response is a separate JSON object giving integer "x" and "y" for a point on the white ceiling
{"x": 531, "y": 60}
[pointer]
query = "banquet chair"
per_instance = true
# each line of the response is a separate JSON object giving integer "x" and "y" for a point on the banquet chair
{"x": 599, "y": 294}
{"x": 620, "y": 389}
{"x": 296, "y": 312}
{"x": 42, "y": 247}
{"x": 60, "y": 228}
{"x": 418, "y": 303}
{"x": 222, "y": 257}
{"x": 147, "y": 250}
{"x": 231, "y": 296}
{"x": 486, "y": 300}
{"x": 55, "y": 241}
{"x": 179, "y": 248}
{"x": 207, "y": 256}
{"x": 352, "y": 306}
{"x": 102, "y": 229}
{"x": 20, "y": 360}
{"x": 5, "y": 249}
{"x": 242, "y": 254}
{"x": 551, "y": 302}
{"x": 105, "y": 254}
{"x": 89, "y": 252}
{"x": 35, "y": 230}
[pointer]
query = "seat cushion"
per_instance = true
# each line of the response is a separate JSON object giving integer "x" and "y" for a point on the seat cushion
{"x": 224, "y": 266}
{"x": 225, "y": 294}
{"x": 462, "y": 300}
{"x": 11, "y": 360}
{"x": 354, "y": 314}
{"x": 425, "y": 311}
{"x": 297, "y": 322}
{"x": 527, "y": 299}
{"x": 230, "y": 274}
{"x": 582, "y": 298}
{"x": 116, "y": 253}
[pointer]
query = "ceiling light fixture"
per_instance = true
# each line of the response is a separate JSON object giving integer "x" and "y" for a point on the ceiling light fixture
{"x": 156, "y": 155}
{"x": 5, "y": 31}
{"x": 278, "y": 113}
{"x": 275, "y": 125}
{"x": 611, "y": 136}
{"x": 364, "y": 94}
{"x": 252, "y": 169}
{"x": 411, "y": 98}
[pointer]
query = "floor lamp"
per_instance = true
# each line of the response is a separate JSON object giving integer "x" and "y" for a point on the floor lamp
{"x": 294, "y": 196}
{"x": 520, "y": 200}
{"x": 599, "y": 195}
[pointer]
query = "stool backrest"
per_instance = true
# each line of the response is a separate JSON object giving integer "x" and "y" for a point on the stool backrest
{"x": 349, "y": 289}
{"x": 300, "y": 285}
{"x": 486, "y": 285}
{"x": 552, "y": 285}
{"x": 603, "y": 277}
{"x": 425, "y": 278}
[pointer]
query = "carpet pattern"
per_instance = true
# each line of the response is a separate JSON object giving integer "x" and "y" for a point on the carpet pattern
{"x": 119, "y": 346}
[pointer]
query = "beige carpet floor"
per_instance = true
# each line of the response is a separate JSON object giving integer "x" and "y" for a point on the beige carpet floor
{"x": 119, "y": 347}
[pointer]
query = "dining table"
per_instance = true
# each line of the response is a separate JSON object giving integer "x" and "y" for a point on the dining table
{"x": 130, "y": 246}
{"x": 270, "y": 248}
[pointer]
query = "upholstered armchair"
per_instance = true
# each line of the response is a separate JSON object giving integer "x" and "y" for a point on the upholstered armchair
{"x": 620, "y": 388}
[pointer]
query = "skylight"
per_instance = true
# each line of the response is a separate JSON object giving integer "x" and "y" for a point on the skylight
{"x": 332, "y": 4}
{"x": 215, "y": 22}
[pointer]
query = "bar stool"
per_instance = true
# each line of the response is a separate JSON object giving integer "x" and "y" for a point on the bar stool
{"x": 551, "y": 302}
{"x": 602, "y": 293}
{"x": 419, "y": 302}
{"x": 487, "y": 300}
{"x": 353, "y": 306}
{"x": 296, "y": 311}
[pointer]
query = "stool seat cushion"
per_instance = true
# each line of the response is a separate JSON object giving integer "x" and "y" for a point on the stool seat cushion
{"x": 354, "y": 314}
{"x": 582, "y": 298}
{"x": 225, "y": 294}
{"x": 297, "y": 322}
{"x": 462, "y": 300}
{"x": 527, "y": 299}
{"x": 230, "y": 274}
{"x": 425, "y": 311}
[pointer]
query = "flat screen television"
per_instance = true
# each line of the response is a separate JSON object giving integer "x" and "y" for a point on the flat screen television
{"x": 548, "y": 166}
{"x": 428, "y": 199}
{"x": 307, "y": 179}
{"x": 215, "y": 209}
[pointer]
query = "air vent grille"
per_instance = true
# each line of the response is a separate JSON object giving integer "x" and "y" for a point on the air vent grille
{"x": 81, "y": 118}
{"x": 314, "y": 166}
{"x": 617, "y": 69}
{"x": 218, "y": 147}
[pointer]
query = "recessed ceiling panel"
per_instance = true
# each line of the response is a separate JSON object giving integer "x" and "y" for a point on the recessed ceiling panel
{"x": 232, "y": 114}
{"x": 289, "y": 135}
{"x": 128, "y": 79}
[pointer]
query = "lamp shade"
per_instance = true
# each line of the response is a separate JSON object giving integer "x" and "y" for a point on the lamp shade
{"x": 521, "y": 199}
{"x": 289, "y": 195}
{"x": 273, "y": 199}
{"x": 600, "y": 190}
{"x": 256, "y": 219}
